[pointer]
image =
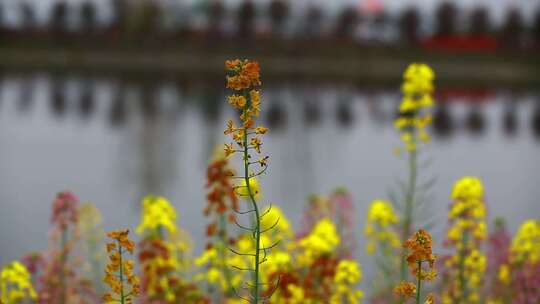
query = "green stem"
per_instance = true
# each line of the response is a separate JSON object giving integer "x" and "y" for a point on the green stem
{"x": 222, "y": 233}
{"x": 418, "y": 282}
{"x": 408, "y": 218}
{"x": 121, "y": 274}
{"x": 461, "y": 276}
{"x": 63, "y": 258}
{"x": 257, "y": 231}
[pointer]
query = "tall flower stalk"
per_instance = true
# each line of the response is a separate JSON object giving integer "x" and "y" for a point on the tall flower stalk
{"x": 91, "y": 246}
{"x": 243, "y": 78}
{"x": 420, "y": 261}
{"x": 383, "y": 243}
{"x": 59, "y": 282}
{"x": 464, "y": 269}
{"x": 162, "y": 255}
{"x": 413, "y": 119}
{"x": 222, "y": 201}
{"x": 119, "y": 271}
{"x": 521, "y": 273}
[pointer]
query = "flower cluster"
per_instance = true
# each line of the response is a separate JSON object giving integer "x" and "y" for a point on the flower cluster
{"x": 119, "y": 274}
{"x": 322, "y": 240}
{"x": 15, "y": 284}
{"x": 245, "y": 77}
{"x": 65, "y": 210}
{"x": 221, "y": 209}
{"x": 339, "y": 208}
{"x": 343, "y": 214}
{"x": 525, "y": 246}
{"x": 383, "y": 242}
{"x": 312, "y": 270}
{"x": 92, "y": 245}
{"x": 521, "y": 271}
{"x": 417, "y": 92}
{"x": 59, "y": 281}
{"x": 157, "y": 213}
{"x": 163, "y": 254}
{"x": 347, "y": 276}
{"x": 420, "y": 248}
{"x": 218, "y": 263}
{"x": 222, "y": 199}
{"x": 465, "y": 268}
{"x": 379, "y": 231}
{"x": 246, "y": 74}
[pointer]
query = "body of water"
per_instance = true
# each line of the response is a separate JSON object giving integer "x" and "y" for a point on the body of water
{"x": 111, "y": 141}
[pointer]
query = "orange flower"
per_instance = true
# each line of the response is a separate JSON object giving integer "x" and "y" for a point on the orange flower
{"x": 229, "y": 150}
{"x": 256, "y": 143}
{"x": 430, "y": 299}
{"x": 230, "y": 127}
{"x": 246, "y": 74}
{"x": 232, "y": 65}
{"x": 261, "y": 130}
{"x": 252, "y": 71}
{"x": 119, "y": 271}
{"x": 421, "y": 246}
{"x": 237, "y": 101}
{"x": 405, "y": 289}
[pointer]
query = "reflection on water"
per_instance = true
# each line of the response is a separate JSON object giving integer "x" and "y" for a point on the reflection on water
{"x": 112, "y": 139}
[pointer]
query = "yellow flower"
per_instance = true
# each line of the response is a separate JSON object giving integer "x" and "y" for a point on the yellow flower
{"x": 504, "y": 274}
{"x": 16, "y": 284}
{"x": 417, "y": 89}
{"x": 347, "y": 276}
{"x": 157, "y": 212}
{"x": 525, "y": 245}
{"x": 468, "y": 188}
{"x": 382, "y": 213}
{"x": 381, "y": 216}
{"x": 466, "y": 232}
{"x": 274, "y": 217}
{"x": 322, "y": 240}
{"x": 243, "y": 191}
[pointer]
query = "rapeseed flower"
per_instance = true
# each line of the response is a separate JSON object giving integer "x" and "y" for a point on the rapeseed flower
{"x": 119, "y": 274}
{"x": 59, "y": 280}
{"x": 465, "y": 268}
{"x": 420, "y": 253}
{"x": 412, "y": 122}
{"x": 244, "y": 78}
{"x": 525, "y": 246}
{"x": 379, "y": 230}
{"x": 157, "y": 213}
{"x": 347, "y": 276}
{"x": 417, "y": 92}
{"x": 16, "y": 284}
{"x": 322, "y": 240}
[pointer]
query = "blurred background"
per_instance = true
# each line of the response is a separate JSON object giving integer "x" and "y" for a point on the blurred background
{"x": 115, "y": 99}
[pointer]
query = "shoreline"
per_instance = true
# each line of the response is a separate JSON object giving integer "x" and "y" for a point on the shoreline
{"x": 355, "y": 64}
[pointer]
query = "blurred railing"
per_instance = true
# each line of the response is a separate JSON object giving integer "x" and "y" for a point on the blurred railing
{"x": 155, "y": 24}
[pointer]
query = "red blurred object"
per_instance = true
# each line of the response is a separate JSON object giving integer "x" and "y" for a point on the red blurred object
{"x": 371, "y": 6}
{"x": 461, "y": 43}
{"x": 469, "y": 95}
